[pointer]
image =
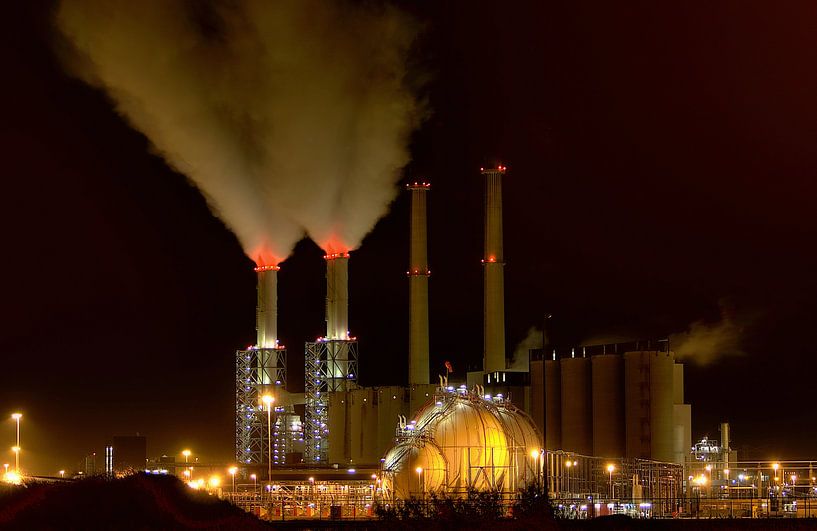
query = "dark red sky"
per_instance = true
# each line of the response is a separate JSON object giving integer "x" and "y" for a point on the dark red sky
{"x": 662, "y": 160}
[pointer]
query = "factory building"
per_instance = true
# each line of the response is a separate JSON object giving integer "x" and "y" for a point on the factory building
{"x": 594, "y": 405}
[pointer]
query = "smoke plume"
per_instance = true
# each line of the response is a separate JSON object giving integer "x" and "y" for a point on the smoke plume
{"x": 521, "y": 358}
{"x": 703, "y": 343}
{"x": 291, "y": 116}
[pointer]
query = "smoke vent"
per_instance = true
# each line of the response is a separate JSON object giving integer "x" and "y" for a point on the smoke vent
{"x": 493, "y": 271}
{"x": 418, "y": 274}
{"x": 337, "y": 296}
{"x": 266, "y": 310}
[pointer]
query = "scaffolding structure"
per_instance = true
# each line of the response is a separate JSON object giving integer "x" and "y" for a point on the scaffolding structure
{"x": 330, "y": 366}
{"x": 257, "y": 371}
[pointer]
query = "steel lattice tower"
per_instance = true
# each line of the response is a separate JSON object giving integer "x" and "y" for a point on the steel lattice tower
{"x": 257, "y": 371}
{"x": 331, "y": 365}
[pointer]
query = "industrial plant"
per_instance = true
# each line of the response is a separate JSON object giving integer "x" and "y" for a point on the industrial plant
{"x": 591, "y": 424}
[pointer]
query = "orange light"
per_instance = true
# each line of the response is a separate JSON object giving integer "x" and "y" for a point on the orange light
{"x": 332, "y": 256}
{"x": 267, "y": 268}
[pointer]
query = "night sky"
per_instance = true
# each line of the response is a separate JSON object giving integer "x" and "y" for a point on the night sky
{"x": 661, "y": 167}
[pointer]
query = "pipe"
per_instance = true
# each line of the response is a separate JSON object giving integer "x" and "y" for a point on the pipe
{"x": 418, "y": 274}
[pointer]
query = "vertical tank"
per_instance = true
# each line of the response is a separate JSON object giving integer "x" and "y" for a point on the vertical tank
{"x": 577, "y": 412}
{"x": 648, "y": 400}
{"x": 662, "y": 371}
{"x": 553, "y": 405}
{"x": 608, "y": 405}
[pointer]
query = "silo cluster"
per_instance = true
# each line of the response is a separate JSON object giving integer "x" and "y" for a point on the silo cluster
{"x": 613, "y": 405}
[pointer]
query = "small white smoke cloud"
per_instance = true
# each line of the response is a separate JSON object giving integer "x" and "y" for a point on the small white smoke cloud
{"x": 703, "y": 343}
{"x": 521, "y": 358}
{"x": 291, "y": 116}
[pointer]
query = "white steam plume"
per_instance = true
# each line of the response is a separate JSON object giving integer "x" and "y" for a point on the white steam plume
{"x": 703, "y": 343}
{"x": 521, "y": 356}
{"x": 290, "y": 116}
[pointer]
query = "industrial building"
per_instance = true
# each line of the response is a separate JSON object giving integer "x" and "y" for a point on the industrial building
{"x": 502, "y": 429}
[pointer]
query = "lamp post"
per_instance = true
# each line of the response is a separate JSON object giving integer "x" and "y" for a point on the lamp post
{"x": 535, "y": 456}
{"x": 17, "y": 417}
{"x": 254, "y": 479}
{"x": 268, "y": 401}
{"x": 232, "y": 470}
{"x": 611, "y": 468}
{"x": 419, "y": 471}
{"x": 62, "y": 473}
{"x": 567, "y": 476}
{"x": 16, "y": 450}
{"x": 186, "y": 454}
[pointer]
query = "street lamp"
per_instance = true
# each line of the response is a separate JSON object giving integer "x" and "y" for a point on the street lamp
{"x": 62, "y": 473}
{"x": 268, "y": 401}
{"x": 186, "y": 453}
{"x": 254, "y": 479}
{"x": 17, "y": 417}
{"x": 16, "y": 450}
{"x": 535, "y": 455}
{"x": 568, "y": 464}
{"x": 611, "y": 468}
{"x": 420, "y": 481}
{"x": 232, "y": 470}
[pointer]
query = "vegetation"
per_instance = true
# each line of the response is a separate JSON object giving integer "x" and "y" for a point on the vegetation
{"x": 135, "y": 502}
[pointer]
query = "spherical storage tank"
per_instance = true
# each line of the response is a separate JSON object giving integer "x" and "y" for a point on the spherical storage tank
{"x": 461, "y": 441}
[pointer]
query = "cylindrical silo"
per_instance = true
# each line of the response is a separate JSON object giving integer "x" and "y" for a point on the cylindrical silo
{"x": 553, "y": 405}
{"x": 577, "y": 435}
{"x": 662, "y": 369}
{"x": 637, "y": 404}
{"x": 608, "y": 405}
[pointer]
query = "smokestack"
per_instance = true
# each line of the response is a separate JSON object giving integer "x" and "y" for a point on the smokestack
{"x": 418, "y": 274}
{"x": 266, "y": 310}
{"x": 337, "y": 296}
{"x": 493, "y": 265}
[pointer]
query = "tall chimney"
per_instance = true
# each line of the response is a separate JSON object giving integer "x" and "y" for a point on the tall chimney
{"x": 266, "y": 320}
{"x": 493, "y": 265}
{"x": 418, "y": 274}
{"x": 337, "y": 296}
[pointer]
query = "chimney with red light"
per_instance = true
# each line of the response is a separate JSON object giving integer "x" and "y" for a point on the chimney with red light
{"x": 337, "y": 295}
{"x": 266, "y": 316}
{"x": 418, "y": 274}
{"x": 493, "y": 273}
